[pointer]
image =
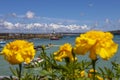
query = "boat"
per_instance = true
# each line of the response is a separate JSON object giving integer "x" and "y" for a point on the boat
{"x": 54, "y": 36}
{"x": 2, "y": 43}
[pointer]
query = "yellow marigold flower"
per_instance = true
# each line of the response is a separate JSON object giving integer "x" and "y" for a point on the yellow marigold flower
{"x": 65, "y": 51}
{"x": 19, "y": 51}
{"x": 58, "y": 58}
{"x": 90, "y": 74}
{"x": 99, "y": 78}
{"x": 97, "y": 43}
{"x": 82, "y": 73}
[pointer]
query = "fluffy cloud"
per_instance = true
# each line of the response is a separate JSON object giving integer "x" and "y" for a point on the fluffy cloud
{"x": 30, "y": 15}
{"x": 42, "y": 27}
{"x": 37, "y": 27}
{"x": 35, "y": 24}
{"x": 8, "y": 25}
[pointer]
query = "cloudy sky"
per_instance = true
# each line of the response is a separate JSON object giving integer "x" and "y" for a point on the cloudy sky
{"x": 42, "y": 16}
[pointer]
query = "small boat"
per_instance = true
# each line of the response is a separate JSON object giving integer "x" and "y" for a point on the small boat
{"x": 54, "y": 38}
{"x": 2, "y": 43}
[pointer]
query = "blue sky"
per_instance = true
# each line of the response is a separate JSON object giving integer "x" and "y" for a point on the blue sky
{"x": 60, "y": 15}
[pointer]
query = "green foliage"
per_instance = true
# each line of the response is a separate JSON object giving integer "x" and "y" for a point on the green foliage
{"x": 116, "y": 68}
{"x": 50, "y": 69}
{"x": 113, "y": 73}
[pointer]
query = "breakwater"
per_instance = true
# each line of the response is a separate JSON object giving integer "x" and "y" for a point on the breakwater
{"x": 7, "y": 36}
{"x": 40, "y": 35}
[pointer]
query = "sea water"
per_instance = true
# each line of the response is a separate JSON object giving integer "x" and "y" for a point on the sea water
{"x": 4, "y": 65}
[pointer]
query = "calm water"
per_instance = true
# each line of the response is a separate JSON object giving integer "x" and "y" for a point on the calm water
{"x": 4, "y": 65}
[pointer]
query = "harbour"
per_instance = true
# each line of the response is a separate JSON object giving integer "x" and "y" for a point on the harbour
{"x": 4, "y": 65}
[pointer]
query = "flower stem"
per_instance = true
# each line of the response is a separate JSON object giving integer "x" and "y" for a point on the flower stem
{"x": 20, "y": 71}
{"x": 93, "y": 65}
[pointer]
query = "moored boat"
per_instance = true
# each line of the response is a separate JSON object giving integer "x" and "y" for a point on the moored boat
{"x": 2, "y": 43}
{"x": 54, "y": 38}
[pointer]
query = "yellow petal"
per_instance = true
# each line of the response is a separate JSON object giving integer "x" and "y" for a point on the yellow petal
{"x": 93, "y": 55}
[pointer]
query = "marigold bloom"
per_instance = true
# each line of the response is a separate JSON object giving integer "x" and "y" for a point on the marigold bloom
{"x": 65, "y": 51}
{"x": 97, "y": 43}
{"x": 18, "y": 51}
{"x": 90, "y": 74}
{"x": 82, "y": 73}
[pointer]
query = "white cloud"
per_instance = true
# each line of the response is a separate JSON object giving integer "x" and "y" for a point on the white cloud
{"x": 38, "y": 25}
{"x": 30, "y": 15}
{"x": 107, "y": 21}
{"x": 58, "y": 26}
{"x": 73, "y": 27}
{"x": 54, "y": 26}
{"x": 8, "y": 25}
{"x": 29, "y": 26}
{"x": 41, "y": 27}
{"x": 84, "y": 27}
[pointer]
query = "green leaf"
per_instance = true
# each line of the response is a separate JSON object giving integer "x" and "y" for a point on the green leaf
{"x": 101, "y": 71}
{"x": 13, "y": 71}
{"x": 44, "y": 73}
{"x": 114, "y": 64}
